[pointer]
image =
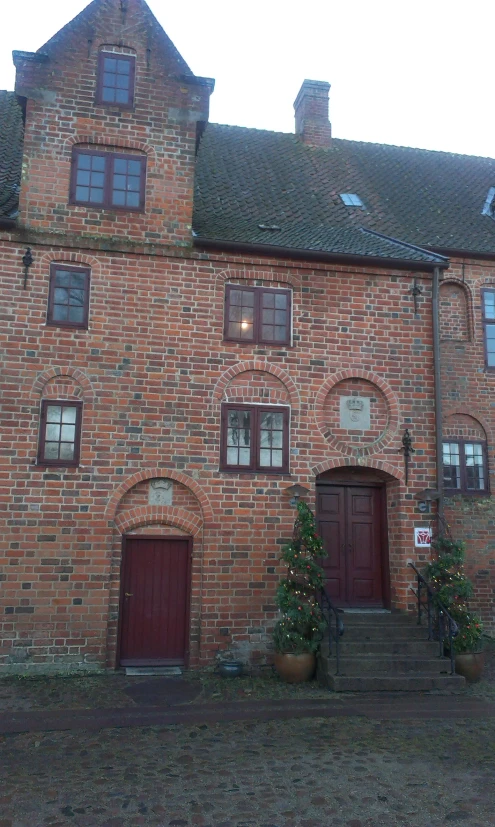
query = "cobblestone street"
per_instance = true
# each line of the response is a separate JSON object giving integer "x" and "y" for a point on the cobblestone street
{"x": 352, "y": 766}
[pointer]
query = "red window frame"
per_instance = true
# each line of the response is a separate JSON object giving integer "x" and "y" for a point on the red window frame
{"x": 258, "y": 293}
{"x": 100, "y": 77}
{"x": 67, "y": 268}
{"x": 254, "y": 465}
{"x": 463, "y": 487}
{"x": 486, "y": 324}
{"x": 108, "y": 180}
{"x": 59, "y": 462}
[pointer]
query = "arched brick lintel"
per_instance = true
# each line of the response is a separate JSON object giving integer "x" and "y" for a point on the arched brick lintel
{"x": 342, "y": 462}
{"x": 156, "y": 473}
{"x": 272, "y": 274}
{"x": 80, "y": 258}
{"x": 261, "y": 367}
{"x": 74, "y": 373}
{"x": 156, "y": 514}
{"x": 113, "y": 140}
{"x": 459, "y": 411}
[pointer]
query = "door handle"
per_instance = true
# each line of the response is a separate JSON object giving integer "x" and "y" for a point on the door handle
{"x": 127, "y": 594}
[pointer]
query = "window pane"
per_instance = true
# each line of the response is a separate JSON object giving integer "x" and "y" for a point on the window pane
{"x": 277, "y": 460}
{"x": 97, "y": 179}
{"x": 52, "y": 432}
{"x": 60, "y": 312}
{"x": 62, "y": 278}
{"x": 53, "y": 413}
{"x": 61, "y": 295}
{"x": 82, "y": 193}
{"x": 265, "y": 458}
{"x": 280, "y": 334}
{"x": 96, "y": 196}
{"x": 232, "y": 456}
{"x": 83, "y": 177}
{"x": 109, "y": 79}
{"x": 68, "y": 433}
{"x": 78, "y": 280}
{"x": 51, "y": 450}
{"x": 134, "y": 167}
{"x": 280, "y": 317}
{"x": 245, "y": 456}
{"x": 75, "y": 314}
{"x": 123, "y": 67}
{"x": 76, "y": 297}
{"x": 118, "y": 198}
{"x": 119, "y": 182}
{"x": 451, "y": 465}
{"x": 280, "y": 301}
{"x": 268, "y": 300}
{"x": 84, "y": 162}
{"x": 132, "y": 199}
{"x": 108, "y": 94}
{"x": 69, "y": 415}
{"x": 66, "y": 450}
{"x": 98, "y": 163}
{"x": 119, "y": 165}
{"x": 110, "y": 64}
{"x": 489, "y": 302}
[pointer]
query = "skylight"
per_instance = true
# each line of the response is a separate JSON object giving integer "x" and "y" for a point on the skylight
{"x": 489, "y": 208}
{"x": 350, "y": 199}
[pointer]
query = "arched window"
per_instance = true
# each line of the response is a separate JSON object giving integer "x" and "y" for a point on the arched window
{"x": 465, "y": 465}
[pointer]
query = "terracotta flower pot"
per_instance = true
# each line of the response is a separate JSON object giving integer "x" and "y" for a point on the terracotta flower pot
{"x": 470, "y": 664}
{"x": 295, "y": 668}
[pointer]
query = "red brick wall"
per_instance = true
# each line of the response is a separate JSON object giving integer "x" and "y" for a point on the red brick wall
{"x": 152, "y": 370}
{"x": 468, "y": 391}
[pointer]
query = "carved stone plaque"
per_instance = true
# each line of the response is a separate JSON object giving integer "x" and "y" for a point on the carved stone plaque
{"x": 355, "y": 413}
{"x": 160, "y": 492}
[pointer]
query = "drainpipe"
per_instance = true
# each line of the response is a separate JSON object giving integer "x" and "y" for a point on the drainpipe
{"x": 438, "y": 389}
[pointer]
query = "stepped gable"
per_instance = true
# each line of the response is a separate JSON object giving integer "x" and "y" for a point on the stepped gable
{"x": 11, "y": 136}
{"x": 247, "y": 177}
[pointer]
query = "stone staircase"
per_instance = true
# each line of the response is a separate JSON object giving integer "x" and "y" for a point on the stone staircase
{"x": 385, "y": 651}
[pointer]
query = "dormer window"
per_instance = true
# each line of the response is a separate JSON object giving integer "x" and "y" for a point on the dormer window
{"x": 108, "y": 180}
{"x": 350, "y": 199}
{"x": 489, "y": 206}
{"x": 115, "y": 86}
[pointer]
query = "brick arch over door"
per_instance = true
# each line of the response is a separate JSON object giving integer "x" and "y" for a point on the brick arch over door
{"x": 343, "y": 462}
{"x": 74, "y": 373}
{"x": 258, "y": 366}
{"x": 156, "y": 515}
{"x": 157, "y": 473}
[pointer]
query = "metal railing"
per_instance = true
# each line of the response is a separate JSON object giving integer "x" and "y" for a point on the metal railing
{"x": 335, "y": 625}
{"x": 441, "y": 625}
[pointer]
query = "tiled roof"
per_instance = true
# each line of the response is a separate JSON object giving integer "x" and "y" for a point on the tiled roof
{"x": 11, "y": 132}
{"x": 248, "y": 177}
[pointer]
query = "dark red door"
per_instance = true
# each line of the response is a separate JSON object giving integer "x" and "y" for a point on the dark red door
{"x": 349, "y": 522}
{"x": 154, "y": 625}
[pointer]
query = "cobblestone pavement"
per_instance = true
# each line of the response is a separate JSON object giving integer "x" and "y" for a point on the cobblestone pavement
{"x": 348, "y": 772}
{"x": 375, "y": 761}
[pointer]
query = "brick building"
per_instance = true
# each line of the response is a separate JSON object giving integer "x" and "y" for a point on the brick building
{"x": 197, "y": 317}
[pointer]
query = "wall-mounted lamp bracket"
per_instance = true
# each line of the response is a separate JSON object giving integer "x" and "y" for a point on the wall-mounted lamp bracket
{"x": 295, "y": 492}
{"x": 407, "y": 450}
{"x": 27, "y": 261}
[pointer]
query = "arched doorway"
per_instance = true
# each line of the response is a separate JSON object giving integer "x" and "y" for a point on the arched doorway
{"x": 352, "y": 521}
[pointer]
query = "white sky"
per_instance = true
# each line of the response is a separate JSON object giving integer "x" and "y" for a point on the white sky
{"x": 415, "y": 74}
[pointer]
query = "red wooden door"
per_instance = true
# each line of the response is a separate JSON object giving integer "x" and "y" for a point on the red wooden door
{"x": 349, "y": 523}
{"x": 154, "y": 624}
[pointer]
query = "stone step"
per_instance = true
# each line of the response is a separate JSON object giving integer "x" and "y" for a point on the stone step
{"x": 377, "y": 618}
{"x": 379, "y": 633}
{"x": 399, "y": 646}
{"x": 392, "y": 665}
{"x": 394, "y": 683}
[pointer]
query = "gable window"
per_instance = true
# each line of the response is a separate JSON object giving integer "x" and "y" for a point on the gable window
{"x": 115, "y": 85}
{"x": 68, "y": 297}
{"x": 465, "y": 467}
{"x": 257, "y": 314}
{"x": 60, "y": 432}
{"x": 109, "y": 180}
{"x": 488, "y": 297}
{"x": 255, "y": 438}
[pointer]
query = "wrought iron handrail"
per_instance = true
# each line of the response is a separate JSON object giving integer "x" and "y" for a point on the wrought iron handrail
{"x": 328, "y": 609}
{"x": 440, "y": 621}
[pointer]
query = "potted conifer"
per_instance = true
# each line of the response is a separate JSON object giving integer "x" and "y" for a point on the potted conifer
{"x": 299, "y": 631}
{"x": 454, "y": 589}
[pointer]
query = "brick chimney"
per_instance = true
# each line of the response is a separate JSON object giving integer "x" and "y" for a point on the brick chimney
{"x": 311, "y": 111}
